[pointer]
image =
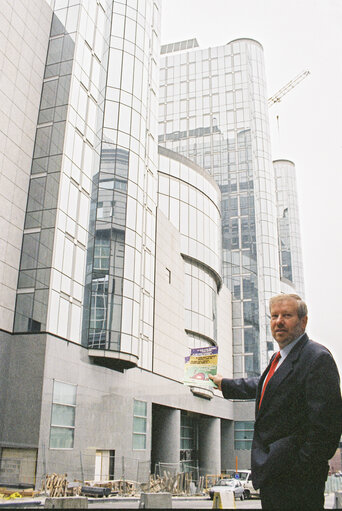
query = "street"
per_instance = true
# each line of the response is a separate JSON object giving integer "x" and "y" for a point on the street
{"x": 177, "y": 503}
{"x": 190, "y": 503}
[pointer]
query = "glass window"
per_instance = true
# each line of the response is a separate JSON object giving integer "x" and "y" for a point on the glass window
{"x": 55, "y": 50}
{"x": 64, "y": 393}
{"x": 29, "y": 256}
{"x": 243, "y": 435}
{"x": 139, "y": 424}
{"x": 61, "y": 438}
{"x": 49, "y": 94}
{"x": 42, "y": 145}
{"x": 63, "y": 416}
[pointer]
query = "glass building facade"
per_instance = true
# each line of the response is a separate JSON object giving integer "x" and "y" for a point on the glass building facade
{"x": 190, "y": 199}
{"x": 118, "y": 254}
{"x": 95, "y": 156}
{"x": 290, "y": 251}
{"x": 213, "y": 110}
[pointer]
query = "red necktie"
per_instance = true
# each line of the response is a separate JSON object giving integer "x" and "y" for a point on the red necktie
{"x": 270, "y": 374}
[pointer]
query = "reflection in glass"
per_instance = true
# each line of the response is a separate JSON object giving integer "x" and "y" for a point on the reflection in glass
{"x": 103, "y": 294}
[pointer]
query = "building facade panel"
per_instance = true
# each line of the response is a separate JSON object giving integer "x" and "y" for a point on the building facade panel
{"x": 22, "y": 54}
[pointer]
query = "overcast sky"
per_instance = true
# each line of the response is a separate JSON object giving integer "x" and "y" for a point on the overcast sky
{"x": 296, "y": 35}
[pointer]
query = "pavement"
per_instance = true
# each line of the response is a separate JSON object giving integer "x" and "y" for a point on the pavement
{"x": 200, "y": 502}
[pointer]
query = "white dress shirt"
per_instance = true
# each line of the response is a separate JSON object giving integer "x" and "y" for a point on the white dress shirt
{"x": 286, "y": 350}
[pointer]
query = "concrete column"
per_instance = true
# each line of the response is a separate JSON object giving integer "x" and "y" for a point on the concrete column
{"x": 227, "y": 445}
{"x": 165, "y": 435}
{"x": 209, "y": 445}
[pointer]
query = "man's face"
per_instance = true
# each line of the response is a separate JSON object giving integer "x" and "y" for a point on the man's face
{"x": 285, "y": 323}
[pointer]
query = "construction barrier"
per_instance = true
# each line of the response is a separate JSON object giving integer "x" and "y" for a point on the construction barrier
{"x": 155, "y": 501}
{"x": 224, "y": 500}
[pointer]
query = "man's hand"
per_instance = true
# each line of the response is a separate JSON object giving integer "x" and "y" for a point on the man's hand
{"x": 217, "y": 379}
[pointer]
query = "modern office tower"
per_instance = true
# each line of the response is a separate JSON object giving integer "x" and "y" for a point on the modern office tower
{"x": 213, "y": 110}
{"x": 110, "y": 262}
{"x": 290, "y": 251}
{"x": 89, "y": 145}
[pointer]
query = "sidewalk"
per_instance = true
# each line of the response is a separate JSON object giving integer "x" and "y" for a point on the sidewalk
{"x": 27, "y": 502}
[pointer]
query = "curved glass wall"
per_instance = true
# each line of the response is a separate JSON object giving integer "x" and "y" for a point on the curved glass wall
{"x": 108, "y": 250}
{"x": 200, "y": 302}
{"x": 190, "y": 199}
{"x": 213, "y": 110}
{"x": 96, "y": 136}
{"x": 290, "y": 253}
{"x": 120, "y": 269}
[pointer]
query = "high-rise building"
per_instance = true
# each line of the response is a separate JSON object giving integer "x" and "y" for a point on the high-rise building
{"x": 105, "y": 282}
{"x": 213, "y": 109}
{"x": 290, "y": 250}
{"x": 112, "y": 260}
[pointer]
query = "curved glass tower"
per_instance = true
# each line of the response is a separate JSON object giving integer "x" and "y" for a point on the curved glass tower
{"x": 290, "y": 252}
{"x": 95, "y": 157}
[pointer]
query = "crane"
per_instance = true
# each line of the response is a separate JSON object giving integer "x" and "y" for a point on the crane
{"x": 276, "y": 98}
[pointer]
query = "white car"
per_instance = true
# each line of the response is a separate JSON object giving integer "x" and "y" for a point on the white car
{"x": 228, "y": 485}
{"x": 246, "y": 481}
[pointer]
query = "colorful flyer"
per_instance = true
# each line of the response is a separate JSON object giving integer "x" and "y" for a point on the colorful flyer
{"x": 198, "y": 366}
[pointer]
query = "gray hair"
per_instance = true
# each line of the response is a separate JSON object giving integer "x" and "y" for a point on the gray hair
{"x": 302, "y": 309}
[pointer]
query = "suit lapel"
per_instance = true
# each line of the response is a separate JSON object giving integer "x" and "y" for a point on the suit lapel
{"x": 279, "y": 376}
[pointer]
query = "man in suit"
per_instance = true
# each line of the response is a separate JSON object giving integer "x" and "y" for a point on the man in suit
{"x": 298, "y": 412}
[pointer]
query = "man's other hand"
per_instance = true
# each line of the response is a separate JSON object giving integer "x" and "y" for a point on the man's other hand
{"x": 217, "y": 379}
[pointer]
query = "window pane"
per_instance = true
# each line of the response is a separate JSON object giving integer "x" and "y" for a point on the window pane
{"x": 61, "y": 438}
{"x": 241, "y": 425}
{"x": 42, "y": 146}
{"x": 139, "y": 441}
{"x": 243, "y": 435}
{"x": 243, "y": 444}
{"x": 186, "y": 443}
{"x": 63, "y": 415}
{"x": 64, "y": 393}
{"x": 139, "y": 425}
{"x": 140, "y": 408}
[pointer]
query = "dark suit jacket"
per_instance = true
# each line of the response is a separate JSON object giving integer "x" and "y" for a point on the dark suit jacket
{"x": 298, "y": 427}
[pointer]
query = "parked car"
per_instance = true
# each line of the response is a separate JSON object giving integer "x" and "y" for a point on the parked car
{"x": 246, "y": 481}
{"x": 228, "y": 485}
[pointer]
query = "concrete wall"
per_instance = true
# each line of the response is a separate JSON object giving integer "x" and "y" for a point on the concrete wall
{"x": 170, "y": 339}
{"x": 104, "y": 413}
{"x": 104, "y": 409}
{"x": 21, "y": 380}
{"x": 24, "y": 35}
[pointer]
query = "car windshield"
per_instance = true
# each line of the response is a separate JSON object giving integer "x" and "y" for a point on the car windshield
{"x": 242, "y": 475}
{"x": 225, "y": 482}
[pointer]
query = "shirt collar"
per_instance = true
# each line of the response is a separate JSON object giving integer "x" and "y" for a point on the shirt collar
{"x": 286, "y": 350}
